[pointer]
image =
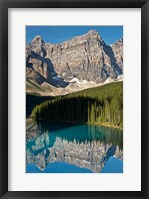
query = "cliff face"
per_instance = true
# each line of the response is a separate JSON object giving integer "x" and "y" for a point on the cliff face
{"x": 84, "y": 57}
{"x": 118, "y": 52}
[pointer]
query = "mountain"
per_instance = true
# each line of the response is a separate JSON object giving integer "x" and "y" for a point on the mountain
{"x": 81, "y": 62}
{"x": 117, "y": 49}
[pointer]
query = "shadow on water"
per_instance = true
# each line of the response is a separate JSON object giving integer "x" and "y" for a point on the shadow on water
{"x": 85, "y": 146}
{"x": 82, "y": 132}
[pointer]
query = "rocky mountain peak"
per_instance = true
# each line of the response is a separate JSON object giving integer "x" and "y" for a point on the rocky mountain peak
{"x": 121, "y": 40}
{"x": 118, "y": 42}
{"x": 92, "y": 33}
{"x": 85, "y": 57}
{"x": 38, "y": 40}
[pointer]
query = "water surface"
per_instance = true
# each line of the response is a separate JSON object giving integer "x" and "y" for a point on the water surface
{"x": 73, "y": 148}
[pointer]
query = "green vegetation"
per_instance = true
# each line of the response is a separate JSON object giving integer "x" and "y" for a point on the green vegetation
{"x": 101, "y": 105}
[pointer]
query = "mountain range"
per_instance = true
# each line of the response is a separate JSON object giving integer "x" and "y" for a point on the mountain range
{"x": 82, "y": 62}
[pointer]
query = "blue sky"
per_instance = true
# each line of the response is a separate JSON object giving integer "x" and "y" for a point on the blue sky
{"x": 57, "y": 34}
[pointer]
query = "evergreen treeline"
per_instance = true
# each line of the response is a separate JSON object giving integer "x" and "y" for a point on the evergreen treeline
{"x": 101, "y": 105}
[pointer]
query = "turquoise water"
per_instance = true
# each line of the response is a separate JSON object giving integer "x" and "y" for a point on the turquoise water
{"x": 72, "y": 148}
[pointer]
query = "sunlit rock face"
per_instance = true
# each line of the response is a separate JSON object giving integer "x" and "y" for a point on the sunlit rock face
{"x": 85, "y": 57}
{"x": 39, "y": 68}
{"x": 118, "y": 52}
{"x": 44, "y": 148}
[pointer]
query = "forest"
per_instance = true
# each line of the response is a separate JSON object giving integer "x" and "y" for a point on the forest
{"x": 100, "y": 105}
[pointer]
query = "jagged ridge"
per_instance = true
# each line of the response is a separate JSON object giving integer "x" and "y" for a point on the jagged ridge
{"x": 85, "y": 57}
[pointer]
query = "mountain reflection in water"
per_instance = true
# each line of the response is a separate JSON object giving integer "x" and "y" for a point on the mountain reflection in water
{"x": 85, "y": 146}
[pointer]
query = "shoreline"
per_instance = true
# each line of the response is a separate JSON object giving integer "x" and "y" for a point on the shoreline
{"x": 106, "y": 125}
{"x": 74, "y": 122}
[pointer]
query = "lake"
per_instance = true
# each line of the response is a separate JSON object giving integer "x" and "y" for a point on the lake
{"x": 73, "y": 148}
